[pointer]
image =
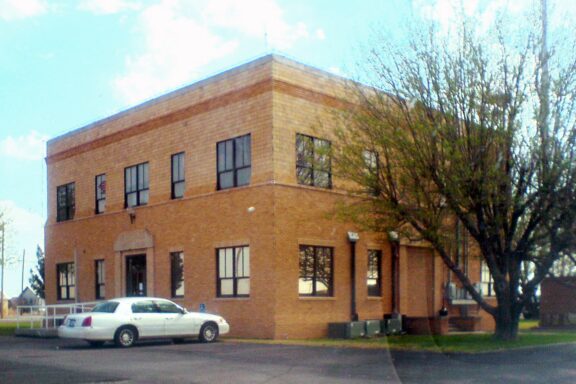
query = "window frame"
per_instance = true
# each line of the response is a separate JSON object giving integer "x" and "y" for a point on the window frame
{"x": 234, "y": 277}
{"x": 67, "y": 210}
{"x": 177, "y": 178}
{"x": 316, "y": 248}
{"x": 312, "y": 164}
{"x": 100, "y": 196}
{"x": 141, "y": 186}
{"x": 173, "y": 288}
{"x": 377, "y": 253}
{"x": 486, "y": 280}
{"x": 70, "y": 277}
{"x": 99, "y": 279}
{"x": 235, "y": 168}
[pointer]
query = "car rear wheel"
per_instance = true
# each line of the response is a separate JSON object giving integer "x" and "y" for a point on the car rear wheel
{"x": 125, "y": 336}
{"x": 208, "y": 333}
{"x": 95, "y": 343}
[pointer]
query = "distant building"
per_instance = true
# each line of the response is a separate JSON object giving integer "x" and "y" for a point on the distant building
{"x": 558, "y": 302}
{"x": 207, "y": 195}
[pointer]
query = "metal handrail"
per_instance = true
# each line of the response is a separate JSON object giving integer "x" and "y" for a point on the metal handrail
{"x": 47, "y": 315}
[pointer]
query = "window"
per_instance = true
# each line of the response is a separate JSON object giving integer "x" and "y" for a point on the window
{"x": 100, "y": 279}
{"x": 234, "y": 162}
{"x": 233, "y": 271}
{"x": 178, "y": 183}
{"x": 315, "y": 271}
{"x": 136, "y": 185}
{"x": 486, "y": 280}
{"x": 177, "y": 268}
{"x": 66, "y": 281}
{"x": 106, "y": 307}
{"x": 66, "y": 202}
{"x": 374, "y": 280}
{"x": 313, "y": 164}
{"x": 168, "y": 307}
{"x": 100, "y": 193}
{"x": 145, "y": 306}
{"x": 371, "y": 163}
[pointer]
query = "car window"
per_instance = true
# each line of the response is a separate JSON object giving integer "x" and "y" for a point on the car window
{"x": 168, "y": 307}
{"x": 106, "y": 307}
{"x": 145, "y": 306}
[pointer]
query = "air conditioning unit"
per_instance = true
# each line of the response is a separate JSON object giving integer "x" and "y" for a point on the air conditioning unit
{"x": 348, "y": 330}
{"x": 373, "y": 328}
{"x": 392, "y": 325}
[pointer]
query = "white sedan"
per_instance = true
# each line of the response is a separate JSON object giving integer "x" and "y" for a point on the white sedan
{"x": 126, "y": 320}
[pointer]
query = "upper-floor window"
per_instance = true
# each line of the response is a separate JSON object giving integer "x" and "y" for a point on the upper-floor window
{"x": 136, "y": 185}
{"x": 372, "y": 175}
{"x": 234, "y": 162}
{"x": 66, "y": 202}
{"x": 177, "y": 274}
{"x": 100, "y": 279}
{"x": 373, "y": 278}
{"x": 100, "y": 193}
{"x": 315, "y": 271}
{"x": 313, "y": 163}
{"x": 66, "y": 287}
{"x": 486, "y": 280}
{"x": 233, "y": 265}
{"x": 178, "y": 180}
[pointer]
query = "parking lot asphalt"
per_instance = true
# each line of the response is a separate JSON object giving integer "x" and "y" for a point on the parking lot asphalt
{"x": 26, "y": 360}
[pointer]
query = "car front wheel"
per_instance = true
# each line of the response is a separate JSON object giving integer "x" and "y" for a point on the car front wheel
{"x": 208, "y": 333}
{"x": 125, "y": 336}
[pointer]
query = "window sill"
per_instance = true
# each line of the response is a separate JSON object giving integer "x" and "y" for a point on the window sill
{"x": 317, "y": 298}
{"x": 240, "y": 298}
{"x": 374, "y": 298}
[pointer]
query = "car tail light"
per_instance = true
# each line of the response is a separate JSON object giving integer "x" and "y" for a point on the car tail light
{"x": 87, "y": 322}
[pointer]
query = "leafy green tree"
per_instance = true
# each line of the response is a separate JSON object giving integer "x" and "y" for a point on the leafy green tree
{"x": 36, "y": 279}
{"x": 473, "y": 129}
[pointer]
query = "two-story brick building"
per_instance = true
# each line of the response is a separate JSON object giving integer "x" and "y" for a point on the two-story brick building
{"x": 205, "y": 195}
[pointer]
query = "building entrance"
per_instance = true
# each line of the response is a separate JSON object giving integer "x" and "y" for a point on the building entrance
{"x": 136, "y": 275}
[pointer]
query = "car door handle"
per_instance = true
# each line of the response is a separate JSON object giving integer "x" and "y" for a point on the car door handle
{"x": 168, "y": 318}
{"x": 136, "y": 318}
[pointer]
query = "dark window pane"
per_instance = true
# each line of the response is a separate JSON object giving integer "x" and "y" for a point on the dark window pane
{"x": 244, "y": 176}
{"x": 226, "y": 180}
{"x": 315, "y": 271}
{"x": 177, "y": 261}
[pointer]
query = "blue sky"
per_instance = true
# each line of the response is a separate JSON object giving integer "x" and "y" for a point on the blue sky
{"x": 67, "y": 63}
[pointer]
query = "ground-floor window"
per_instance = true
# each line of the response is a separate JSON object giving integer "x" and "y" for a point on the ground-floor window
{"x": 177, "y": 274}
{"x": 316, "y": 265}
{"x": 233, "y": 266}
{"x": 100, "y": 279}
{"x": 66, "y": 287}
{"x": 373, "y": 277}
{"x": 486, "y": 281}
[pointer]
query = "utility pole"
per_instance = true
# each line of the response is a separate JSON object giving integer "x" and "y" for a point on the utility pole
{"x": 23, "y": 261}
{"x": 3, "y": 230}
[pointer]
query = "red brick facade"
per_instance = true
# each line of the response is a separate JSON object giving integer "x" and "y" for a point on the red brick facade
{"x": 272, "y": 99}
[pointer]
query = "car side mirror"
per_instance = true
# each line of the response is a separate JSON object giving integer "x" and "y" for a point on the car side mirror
{"x": 183, "y": 311}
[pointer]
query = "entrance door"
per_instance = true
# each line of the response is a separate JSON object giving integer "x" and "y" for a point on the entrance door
{"x": 136, "y": 275}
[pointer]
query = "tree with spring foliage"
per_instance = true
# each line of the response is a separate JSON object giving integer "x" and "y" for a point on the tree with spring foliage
{"x": 36, "y": 279}
{"x": 472, "y": 128}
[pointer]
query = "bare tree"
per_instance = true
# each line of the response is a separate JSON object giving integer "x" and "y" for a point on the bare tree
{"x": 477, "y": 129}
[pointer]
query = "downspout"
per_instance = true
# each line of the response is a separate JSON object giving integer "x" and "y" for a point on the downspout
{"x": 352, "y": 239}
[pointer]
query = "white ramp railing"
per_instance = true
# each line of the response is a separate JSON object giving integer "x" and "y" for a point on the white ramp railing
{"x": 48, "y": 316}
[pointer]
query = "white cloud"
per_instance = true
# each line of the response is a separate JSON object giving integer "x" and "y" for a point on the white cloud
{"x": 107, "y": 7}
{"x": 320, "y": 34}
{"x": 180, "y": 37}
{"x": 447, "y": 12}
{"x": 29, "y": 147}
{"x": 21, "y": 9}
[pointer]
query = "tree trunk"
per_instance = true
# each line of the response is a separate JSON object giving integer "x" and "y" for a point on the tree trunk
{"x": 507, "y": 318}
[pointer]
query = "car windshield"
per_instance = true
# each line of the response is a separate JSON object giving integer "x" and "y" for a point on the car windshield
{"x": 107, "y": 307}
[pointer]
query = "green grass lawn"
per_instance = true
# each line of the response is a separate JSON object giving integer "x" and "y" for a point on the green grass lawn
{"x": 466, "y": 343}
{"x": 7, "y": 328}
